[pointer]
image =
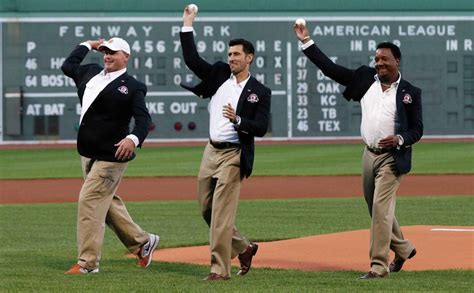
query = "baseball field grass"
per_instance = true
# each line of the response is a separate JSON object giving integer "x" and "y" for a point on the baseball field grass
{"x": 38, "y": 245}
{"x": 292, "y": 160}
{"x": 37, "y": 241}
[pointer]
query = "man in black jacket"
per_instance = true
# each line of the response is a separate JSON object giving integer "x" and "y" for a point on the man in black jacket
{"x": 239, "y": 111}
{"x": 391, "y": 124}
{"x": 109, "y": 98}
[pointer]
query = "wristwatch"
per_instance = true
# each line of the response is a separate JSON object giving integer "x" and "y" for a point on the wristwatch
{"x": 400, "y": 140}
{"x": 237, "y": 120}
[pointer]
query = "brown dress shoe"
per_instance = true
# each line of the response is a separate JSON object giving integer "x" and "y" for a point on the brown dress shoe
{"x": 373, "y": 275}
{"x": 398, "y": 262}
{"x": 215, "y": 277}
{"x": 245, "y": 258}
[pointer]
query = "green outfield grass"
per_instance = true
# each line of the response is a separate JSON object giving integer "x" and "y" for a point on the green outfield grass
{"x": 292, "y": 160}
{"x": 38, "y": 245}
{"x": 38, "y": 241}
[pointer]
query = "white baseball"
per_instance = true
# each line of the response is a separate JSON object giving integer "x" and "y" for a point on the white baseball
{"x": 193, "y": 7}
{"x": 300, "y": 22}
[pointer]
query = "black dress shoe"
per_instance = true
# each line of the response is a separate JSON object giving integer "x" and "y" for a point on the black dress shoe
{"x": 245, "y": 258}
{"x": 373, "y": 275}
{"x": 215, "y": 277}
{"x": 398, "y": 262}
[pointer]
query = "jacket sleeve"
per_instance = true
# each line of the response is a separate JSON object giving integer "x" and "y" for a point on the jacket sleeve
{"x": 338, "y": 73}
{"x": 414, "y": 131}
{"x": 140, "y": 114}
{"x": 191, "y": 57}
{"x": 259, "y": 124}
{"x": 72, "y": 65}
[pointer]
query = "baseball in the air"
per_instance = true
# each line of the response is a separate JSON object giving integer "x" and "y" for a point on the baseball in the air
{"x": 193, "y": 8}
{"x": 300, "y": 22}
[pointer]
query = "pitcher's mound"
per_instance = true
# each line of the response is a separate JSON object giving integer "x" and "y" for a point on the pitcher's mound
{"x": 438, "y": 248}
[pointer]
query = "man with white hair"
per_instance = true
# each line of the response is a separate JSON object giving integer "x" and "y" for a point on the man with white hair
{"x": 109, "y": 98}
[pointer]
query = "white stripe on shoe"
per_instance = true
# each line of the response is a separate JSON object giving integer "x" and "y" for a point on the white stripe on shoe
{"x": 145, "y": 255}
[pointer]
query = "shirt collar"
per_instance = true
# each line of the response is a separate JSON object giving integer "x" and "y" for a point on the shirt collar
{"x": 240, "y": 84}
{"x": 114, "y": 74}
{"x": 395, "y": 84}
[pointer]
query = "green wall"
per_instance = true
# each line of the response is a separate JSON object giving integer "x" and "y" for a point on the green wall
{"x": 39, "y": 103}
{"x": 276, "y": 6}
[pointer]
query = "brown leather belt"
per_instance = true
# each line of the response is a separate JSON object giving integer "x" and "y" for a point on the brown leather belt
{"x": 377, "y": 151}
{"x": 224, "y": 144}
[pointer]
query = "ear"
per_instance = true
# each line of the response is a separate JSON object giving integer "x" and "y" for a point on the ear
{"x": 249, "y": 58}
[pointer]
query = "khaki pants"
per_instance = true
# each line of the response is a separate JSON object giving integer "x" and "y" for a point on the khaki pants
{"x": 380, "y": 183}
{"x": 218, "y": 195}
{"x": 99, "y": 205}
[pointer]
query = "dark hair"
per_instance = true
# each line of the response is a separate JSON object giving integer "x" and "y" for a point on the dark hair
{"x": 247, "y": 46}
{"x": 394, "y": 48}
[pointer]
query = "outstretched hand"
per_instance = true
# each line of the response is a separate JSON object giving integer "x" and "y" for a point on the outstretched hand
{"x": 302, "y": 32}
{"x": 188, "y": 16}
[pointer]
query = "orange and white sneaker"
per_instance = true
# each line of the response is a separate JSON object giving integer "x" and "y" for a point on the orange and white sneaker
{"x": 145, "y": 254}
{"x": 77, "y": 270}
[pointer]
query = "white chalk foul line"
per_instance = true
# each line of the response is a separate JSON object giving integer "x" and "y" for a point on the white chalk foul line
{"x": 452, "y": 230}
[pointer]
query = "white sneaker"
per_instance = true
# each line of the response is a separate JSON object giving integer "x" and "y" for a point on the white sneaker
{"x": 145, "y": 254}
{"x": 77, "y": 270}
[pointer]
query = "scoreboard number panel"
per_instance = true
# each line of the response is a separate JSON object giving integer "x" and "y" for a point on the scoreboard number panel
{"x": 40, "y": 103}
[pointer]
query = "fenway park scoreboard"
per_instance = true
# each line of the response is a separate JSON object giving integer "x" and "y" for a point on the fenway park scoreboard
{"x": 40, "y": 103}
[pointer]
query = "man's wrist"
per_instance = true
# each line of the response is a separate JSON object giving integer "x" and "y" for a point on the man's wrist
{"x": 237, "y": 120}
{"x": 400, "y": 140}
{"x": 187, "y": 28}
{"x": 133, "y": 138}
{"x": 308, "y": 43}
{"x": 87, "y": 45}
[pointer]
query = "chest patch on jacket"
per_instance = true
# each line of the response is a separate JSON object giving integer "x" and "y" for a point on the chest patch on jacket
{"x": 123, "y": 89}
{"x": 407, "y": 99}
{"x": 253, "y": 98}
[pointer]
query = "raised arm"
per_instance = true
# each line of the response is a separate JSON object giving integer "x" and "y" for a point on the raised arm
{"x": 336, "y": 72}
{"x": 190, "y": 54}
{"x": 72, "y": 65}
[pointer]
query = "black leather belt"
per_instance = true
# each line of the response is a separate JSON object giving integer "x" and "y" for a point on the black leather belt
{"x": 224, "y": 144}
{"x": 377, "y": 151}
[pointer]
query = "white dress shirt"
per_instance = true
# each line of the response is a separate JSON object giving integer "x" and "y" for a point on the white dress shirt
{"x": 379, "y": 109}
{"x": 220, "y": 128}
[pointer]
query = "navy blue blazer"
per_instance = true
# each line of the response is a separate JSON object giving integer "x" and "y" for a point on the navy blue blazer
{"x": 408, "y": 120}
{"x": 253, "y": 106}
{"x": 107, "y": 120}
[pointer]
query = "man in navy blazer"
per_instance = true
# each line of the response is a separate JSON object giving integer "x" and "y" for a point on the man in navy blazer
{"x": 109, "y": 98}
{"x": 239, "y": 111}
{"x": 391, "y": 124}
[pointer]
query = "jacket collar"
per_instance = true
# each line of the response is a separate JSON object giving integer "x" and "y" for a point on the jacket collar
{"x": 248, "y": 89}
{"x": 120, "y": 80}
